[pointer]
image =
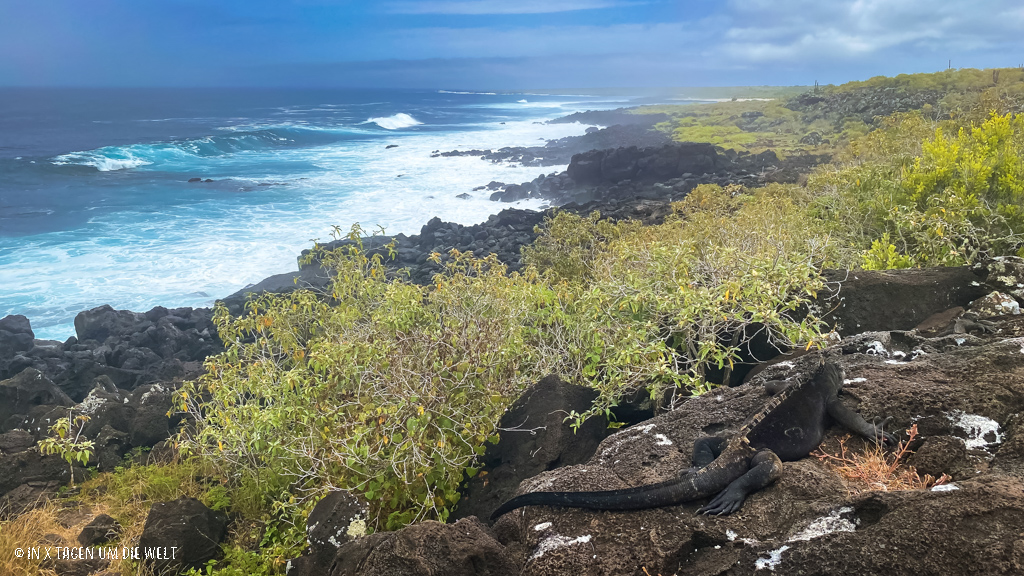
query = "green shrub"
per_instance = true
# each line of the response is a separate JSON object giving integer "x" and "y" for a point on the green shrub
{"x": 729, "y": 259}
{"x": 392, "y": 391}
{"x": 65, "y": 440}
{"x": 883, "y": 255}
{"x": 937, "y": 200}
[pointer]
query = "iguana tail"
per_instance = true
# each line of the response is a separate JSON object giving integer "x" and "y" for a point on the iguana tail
{"x": 705, "y": 482}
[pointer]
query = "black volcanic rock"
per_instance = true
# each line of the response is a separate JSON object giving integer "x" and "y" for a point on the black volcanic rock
{"x": 621, "y": 116}
{"x": 28, "y": 389}
{"x": 186, "y": 525}
{"x": 101, "y": 530}
{"x": 533, "y": 437}
{"x": 103, "y": 321}
{"x": 335, "y": 520}
{"x": 560, "y": 151}
{"x": 16, "y": 337}
{"x": 871, "y": 300}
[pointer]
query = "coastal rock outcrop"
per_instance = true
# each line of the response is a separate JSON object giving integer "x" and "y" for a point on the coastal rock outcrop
{"x": 667, "y": 172}
{"x": 465, "y": 548}
{"x": 120, "y": 348}
{"x": 503, "y": 234}
{"x": 966, "y": 395}
{"x": 864, "y": 104}
{"x": 185, "y": 532}
{"x": 533, "y": 437}
{"x": 621, "y": 129}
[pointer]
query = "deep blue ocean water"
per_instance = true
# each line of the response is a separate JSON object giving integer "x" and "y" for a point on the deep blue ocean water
{"x": 96, "y": 207}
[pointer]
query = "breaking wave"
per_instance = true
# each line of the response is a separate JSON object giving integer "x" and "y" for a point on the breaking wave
{"x": 104, "y": 160}
{"x": 110, "y": 158}
{"x": 395, "y": 122}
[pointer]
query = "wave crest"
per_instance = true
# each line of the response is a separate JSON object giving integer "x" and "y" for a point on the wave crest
{"x": 130, "y": 156}
{"x": 395, "y": 122}
{"x": 100, "y": 161}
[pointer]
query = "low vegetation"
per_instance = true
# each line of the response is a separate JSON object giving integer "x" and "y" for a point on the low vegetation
{"x": 875, "y": 469}
{"x": 392, "y": 390}
{"x": 824, "y": 120}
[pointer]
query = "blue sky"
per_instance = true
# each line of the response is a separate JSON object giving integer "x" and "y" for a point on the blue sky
{"x": 510, "y": 44}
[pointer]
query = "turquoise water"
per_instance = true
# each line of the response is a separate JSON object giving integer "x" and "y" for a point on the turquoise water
{"x": 96, "y": 207}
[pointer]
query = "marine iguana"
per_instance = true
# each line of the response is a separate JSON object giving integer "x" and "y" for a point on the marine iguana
{"x": 790, "y": 425}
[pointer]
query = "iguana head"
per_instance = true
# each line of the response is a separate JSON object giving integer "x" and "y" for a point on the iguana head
{"x": 831, "y": 375}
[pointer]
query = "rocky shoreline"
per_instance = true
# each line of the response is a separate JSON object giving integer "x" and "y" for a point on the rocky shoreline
{"x": 903, "y": 355}
{"x": 903, "y": 343}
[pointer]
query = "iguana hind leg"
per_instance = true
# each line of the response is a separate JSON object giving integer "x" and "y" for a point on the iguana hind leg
{"x": 705, "y": 450}
{"x": 765, "y": 468}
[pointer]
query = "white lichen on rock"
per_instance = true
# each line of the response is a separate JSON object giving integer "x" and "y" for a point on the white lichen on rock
{"x": 356, "y": 528}
{"x": 825, "y": 525}
{"x": 662, "y": 440}
{"x": 854, "y": 380}
{"x": 156, "y": 389}
{"x": 773, "y": 560}
{"x": 877, "y": 348}
{"x": 995, "y": 304}
{"x": 555, "y": 542}
{"x": 977, "y": 428}
{"x": 945, "y": 488}
{"x": 542, "y": 526}
{"x": 91, "y": 404}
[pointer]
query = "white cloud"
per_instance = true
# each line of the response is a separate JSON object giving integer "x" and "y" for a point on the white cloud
{"x": 807, "y": 31}
{"x": 501, "y": 6}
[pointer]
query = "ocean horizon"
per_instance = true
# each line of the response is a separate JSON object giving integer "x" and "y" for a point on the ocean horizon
{"x": 97, "y": 207}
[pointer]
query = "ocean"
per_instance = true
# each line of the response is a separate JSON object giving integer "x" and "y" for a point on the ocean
{"x": 96, "y": 206}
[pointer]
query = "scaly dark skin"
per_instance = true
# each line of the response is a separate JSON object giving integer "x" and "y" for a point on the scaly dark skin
{"x": 790, "y": 425}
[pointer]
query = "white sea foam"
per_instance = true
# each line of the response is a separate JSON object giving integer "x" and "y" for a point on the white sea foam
{"x": 100, "y": 161}
{"x": 395, "y": 122}
{"x": 237, "y": 232}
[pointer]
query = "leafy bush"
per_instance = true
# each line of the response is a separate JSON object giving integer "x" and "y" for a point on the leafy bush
{"x": 65, "y": 440}
{"x": 392, "y": 391}
{"x": 726, "y": 261}
{"x": 936, "y": 200}
{"x": 568, "y": 245}
{"x": 883, "y": 255}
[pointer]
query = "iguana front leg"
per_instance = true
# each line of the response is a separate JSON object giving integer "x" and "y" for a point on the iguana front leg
{"x": 855, "y": 423}
{"x": 765, "y": 468}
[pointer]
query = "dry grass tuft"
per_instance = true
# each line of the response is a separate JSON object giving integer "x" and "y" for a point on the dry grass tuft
{"x": 874, "y": 469}
{"x": 44, "y": 526}
{"x": 126, "y": 495}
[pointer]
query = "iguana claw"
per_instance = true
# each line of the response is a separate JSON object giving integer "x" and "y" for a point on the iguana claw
{"x": 881, "y": 436}
{"x": 726, "y": 502}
